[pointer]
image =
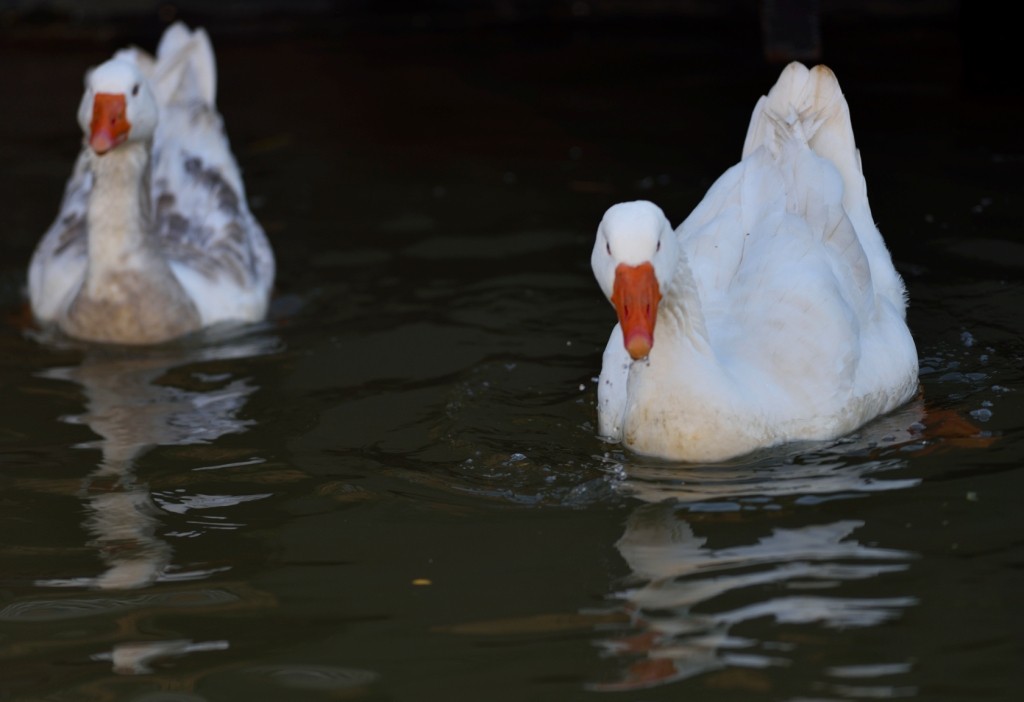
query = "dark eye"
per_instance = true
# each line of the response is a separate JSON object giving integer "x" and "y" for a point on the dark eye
{"x": 658, "y": 247}
{"x": 608, "y": 247}
{"x": 135, "y": 89}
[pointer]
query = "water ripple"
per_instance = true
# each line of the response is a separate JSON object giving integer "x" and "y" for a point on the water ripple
{"x": 685, "y": 597}
{"x": 51, "y": 609}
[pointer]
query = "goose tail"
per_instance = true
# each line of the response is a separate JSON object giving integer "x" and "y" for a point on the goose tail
{"x": 185, "y": 66}
{"x": 807, "y": 105}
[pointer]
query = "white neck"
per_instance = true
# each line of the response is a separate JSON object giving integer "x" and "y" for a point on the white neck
{"x": 119, "y": 215}
{"x": 130, "y": 294}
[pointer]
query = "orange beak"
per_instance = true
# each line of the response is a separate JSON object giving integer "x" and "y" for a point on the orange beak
{"x": 636, "y": 296}
{"x": 109, "y": 126}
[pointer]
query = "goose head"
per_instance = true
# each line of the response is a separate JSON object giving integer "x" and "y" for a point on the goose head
{"x": 117, "y": 106}
{"x": 634, "y": 260}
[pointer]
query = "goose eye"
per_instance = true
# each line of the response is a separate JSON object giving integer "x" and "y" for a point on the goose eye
{"x": 608, "y": 247}
{"x": 658, "y": 247}
{"x": 135, "y": 89}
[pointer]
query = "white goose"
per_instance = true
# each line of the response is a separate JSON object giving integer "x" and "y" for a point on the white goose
{"x": 773, "y": 313}
{"x": 154, "y": 238}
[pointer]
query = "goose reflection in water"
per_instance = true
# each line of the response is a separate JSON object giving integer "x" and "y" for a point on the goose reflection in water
{"x": 676, "y": 572}
{"x": 692, "y": 586}
{"x": 132, "y": 411}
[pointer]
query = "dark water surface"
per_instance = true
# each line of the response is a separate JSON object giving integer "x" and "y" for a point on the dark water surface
{"x": 392, "y": 490}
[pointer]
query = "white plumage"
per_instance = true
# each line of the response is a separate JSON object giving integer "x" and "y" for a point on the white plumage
{"x": 154, "y": 238}
{"x": 776, "y": 314}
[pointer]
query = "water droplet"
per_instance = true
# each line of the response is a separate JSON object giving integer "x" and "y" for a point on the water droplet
{"x": 982, "y": 415}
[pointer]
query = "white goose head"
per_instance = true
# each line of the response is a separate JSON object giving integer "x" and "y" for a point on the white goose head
{"x": 634, "y": 259}
{"x": 117, "y": 106}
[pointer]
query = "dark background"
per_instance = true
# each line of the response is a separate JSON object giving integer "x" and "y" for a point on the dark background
{"x": 343, "y": 114}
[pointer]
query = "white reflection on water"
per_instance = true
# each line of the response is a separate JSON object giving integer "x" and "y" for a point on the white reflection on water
{"x": 131, "y": 410}
{"x": 135, "y": 657}
{"x": 686, "y": 597}
{"x": 679, "y": 629}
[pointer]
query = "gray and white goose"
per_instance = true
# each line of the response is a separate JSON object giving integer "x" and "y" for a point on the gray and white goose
{"x": 154, "y": 238}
